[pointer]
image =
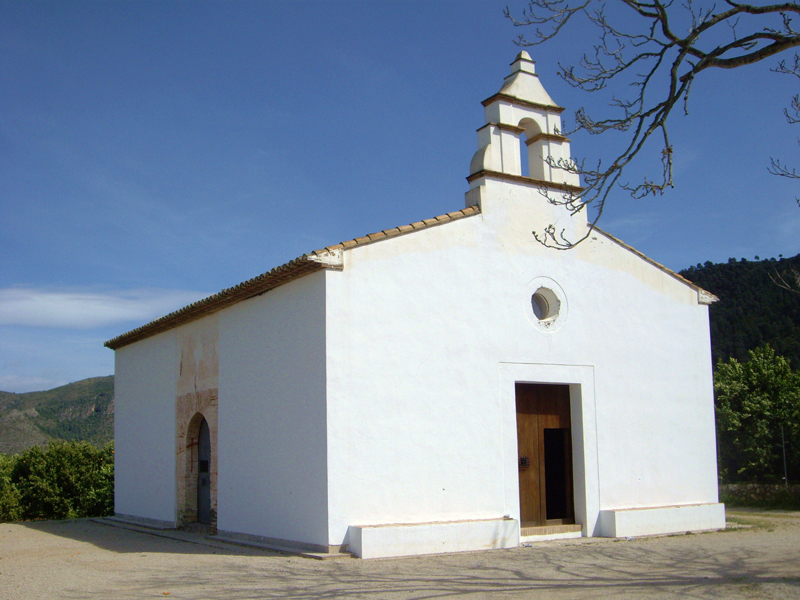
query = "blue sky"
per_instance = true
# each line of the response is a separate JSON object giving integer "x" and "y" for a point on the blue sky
{"x": 155, "y": 152}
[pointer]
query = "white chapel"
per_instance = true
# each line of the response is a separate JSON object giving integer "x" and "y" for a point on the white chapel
{"x": 449, "y": 385}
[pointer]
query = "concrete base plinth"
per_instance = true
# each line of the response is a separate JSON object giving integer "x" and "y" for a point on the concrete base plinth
{"x": 381, "y": 541}
{"x": 632, "y": 522}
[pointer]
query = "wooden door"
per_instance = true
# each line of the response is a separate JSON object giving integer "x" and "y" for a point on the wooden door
{"x": 544, "y": 444}
{"x": 204, "y": 475}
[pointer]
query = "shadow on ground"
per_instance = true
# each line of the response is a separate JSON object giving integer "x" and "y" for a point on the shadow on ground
{"x": 122, "y": 540}
{"x": 758, "y": 562}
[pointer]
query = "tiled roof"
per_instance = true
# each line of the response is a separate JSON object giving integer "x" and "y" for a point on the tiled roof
{"x": 705, "y": 296}
{"x": 403, "y": 229}
{"x": 325, "y": 258}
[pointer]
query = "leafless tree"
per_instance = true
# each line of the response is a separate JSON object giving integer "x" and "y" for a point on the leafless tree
{"x": 793, "y": 117}
{"x": 788, "y": 280}
{"x": 659, "y": 48}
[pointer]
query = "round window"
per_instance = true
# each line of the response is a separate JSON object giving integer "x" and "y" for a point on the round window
{"x": 545, "y": 304}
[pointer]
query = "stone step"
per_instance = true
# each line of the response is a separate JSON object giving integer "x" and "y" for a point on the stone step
{"x": 549, "y": 530}
{"x": 197, "y": 528}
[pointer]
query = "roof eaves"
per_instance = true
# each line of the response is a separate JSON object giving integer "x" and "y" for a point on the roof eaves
{"x": 325, "y": 258}
{"x": 256, "y": 286}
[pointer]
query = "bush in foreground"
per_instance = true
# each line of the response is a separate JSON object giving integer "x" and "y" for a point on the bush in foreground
{"x": 64, "y": 481}
{"x": 9, "y": 495}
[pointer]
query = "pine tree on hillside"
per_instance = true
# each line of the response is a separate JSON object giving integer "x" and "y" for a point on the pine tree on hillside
{"x": 753, "y": 309}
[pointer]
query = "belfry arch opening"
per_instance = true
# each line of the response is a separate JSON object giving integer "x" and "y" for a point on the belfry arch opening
{"x": 531, "y": 161}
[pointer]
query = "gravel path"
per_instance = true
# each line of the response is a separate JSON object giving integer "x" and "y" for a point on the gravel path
{"x": 87, "y": 559}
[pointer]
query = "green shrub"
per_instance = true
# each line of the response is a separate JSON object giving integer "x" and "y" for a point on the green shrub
{"x": 65, "y": 481}
{"x": 9, "y": 495}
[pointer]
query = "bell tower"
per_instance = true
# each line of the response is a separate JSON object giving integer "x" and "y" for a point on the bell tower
{"x": 523, "y": 112}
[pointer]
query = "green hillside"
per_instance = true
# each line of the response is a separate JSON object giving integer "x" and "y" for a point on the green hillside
{"x": 753, "y": 310}
{"x": 81, "y": 411}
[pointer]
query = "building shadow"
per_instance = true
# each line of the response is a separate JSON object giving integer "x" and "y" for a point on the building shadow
{"x": 121, "y": 539}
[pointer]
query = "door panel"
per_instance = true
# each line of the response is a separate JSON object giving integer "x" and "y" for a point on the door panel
{"x": 544, "y": 443}
{"x": 528, "y": 455}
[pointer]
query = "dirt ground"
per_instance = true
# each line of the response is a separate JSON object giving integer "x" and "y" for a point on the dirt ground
{"x": 87, "y": 559}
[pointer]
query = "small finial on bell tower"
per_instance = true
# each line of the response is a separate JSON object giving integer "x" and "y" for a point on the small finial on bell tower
{"x": 523, "y": 63}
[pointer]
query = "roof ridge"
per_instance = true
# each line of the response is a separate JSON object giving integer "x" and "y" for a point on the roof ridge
{"x": 400, "y": 230}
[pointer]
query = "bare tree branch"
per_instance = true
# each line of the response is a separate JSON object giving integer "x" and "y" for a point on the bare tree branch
{"x": 658, "y": 54}
{"x": 788, "y": 280}
{"x": 792, "y": 115}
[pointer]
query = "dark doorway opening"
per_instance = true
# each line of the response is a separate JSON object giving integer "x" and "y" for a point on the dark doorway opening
{"x": 204, "y": 475}
{"x": 556, "y": 459}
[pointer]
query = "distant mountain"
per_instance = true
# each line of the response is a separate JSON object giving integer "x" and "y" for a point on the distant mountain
{"x": 752, "y": 309}
{"x": 81, "y": 411}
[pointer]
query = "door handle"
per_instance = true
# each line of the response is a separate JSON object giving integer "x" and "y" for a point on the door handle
{"x": 524, "y": 463}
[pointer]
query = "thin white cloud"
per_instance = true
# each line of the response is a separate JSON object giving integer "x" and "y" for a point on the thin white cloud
{"x": 85, "y": 310}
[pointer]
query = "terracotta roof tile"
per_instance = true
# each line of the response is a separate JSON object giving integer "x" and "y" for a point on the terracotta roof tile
{"x": 710, "y": 298}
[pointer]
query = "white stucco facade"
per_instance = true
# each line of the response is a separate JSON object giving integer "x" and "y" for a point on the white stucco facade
{"x": 366, "y": 393}
{"x": 144, "y": 424}
{"x": 273, "y": 451}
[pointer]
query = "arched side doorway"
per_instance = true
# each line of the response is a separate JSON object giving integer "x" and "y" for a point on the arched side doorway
{"x": 197, "y": 473}
{"x": 196, "y": 401}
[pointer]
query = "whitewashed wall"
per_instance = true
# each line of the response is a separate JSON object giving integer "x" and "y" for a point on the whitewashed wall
{"x": 272, "y": 415}
{"x": 144, "y": 428}
{"x": 384, "y": 393}
{"x": 420, "y": 418}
